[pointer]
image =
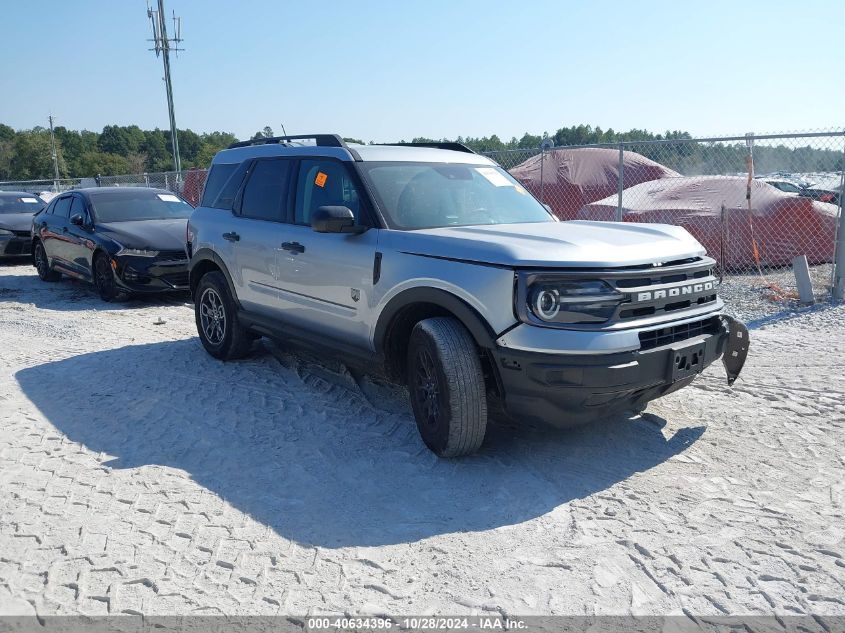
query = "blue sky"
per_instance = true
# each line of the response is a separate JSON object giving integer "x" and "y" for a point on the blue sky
{"x": 381, "y": 70}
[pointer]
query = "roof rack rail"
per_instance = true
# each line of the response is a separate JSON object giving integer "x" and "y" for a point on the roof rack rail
{"x": 322, "y": 140}
{"x": 455, "y": 147}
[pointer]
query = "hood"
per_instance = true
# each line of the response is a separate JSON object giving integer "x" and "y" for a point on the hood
{"x": 154, "y": 235}
{"x": 16, "y": 221}
{"x": 576, "y": 244}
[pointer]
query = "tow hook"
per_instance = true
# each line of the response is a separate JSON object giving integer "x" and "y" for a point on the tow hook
{"x": 736, "y": 347}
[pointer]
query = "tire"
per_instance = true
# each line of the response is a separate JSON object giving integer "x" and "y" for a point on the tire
{"x": 217, "y": 319}
{"x": 104, "y": 280}
{"x": 42, "y": 264}
{"x": 446, "y": 385}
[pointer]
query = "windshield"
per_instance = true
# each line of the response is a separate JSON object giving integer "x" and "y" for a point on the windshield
{"x": 428, "y": 195}
{"x": 20, "y": 204}
{"x": 127, "y": 205}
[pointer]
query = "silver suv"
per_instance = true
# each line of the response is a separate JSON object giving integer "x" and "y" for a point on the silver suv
{"x": 433, "y": 265}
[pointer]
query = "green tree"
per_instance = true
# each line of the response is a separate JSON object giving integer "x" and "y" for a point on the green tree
{"x": 32, "y": 156}
{"x": 267, "y": 132}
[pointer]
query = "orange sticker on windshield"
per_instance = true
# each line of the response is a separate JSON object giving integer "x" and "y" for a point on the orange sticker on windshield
{"x": 321, "y": 179}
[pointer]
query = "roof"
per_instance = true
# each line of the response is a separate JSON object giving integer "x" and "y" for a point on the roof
{"x": 398, "y": 153}
{"x": 18, "y": 194}
{"x": 100, "y": 190}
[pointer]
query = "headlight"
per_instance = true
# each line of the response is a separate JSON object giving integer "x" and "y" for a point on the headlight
{"x": 550, "y": 299}
{"x": 136, "y": 252}
{"x": 5, "y": 232}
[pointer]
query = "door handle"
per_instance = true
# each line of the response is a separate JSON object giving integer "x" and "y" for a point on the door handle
{"x": 293, "y": 247}
{"x": 64, "y": 229}
{"x": 232, "y": 237}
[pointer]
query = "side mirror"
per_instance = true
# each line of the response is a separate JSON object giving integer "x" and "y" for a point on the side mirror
{"x": 77, "y": 219}
{"x": 335, "y": 219}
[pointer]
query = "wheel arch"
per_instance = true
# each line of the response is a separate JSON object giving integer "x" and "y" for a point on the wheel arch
{"x": 411, "y": 306}
{"x": 204, "y": 261}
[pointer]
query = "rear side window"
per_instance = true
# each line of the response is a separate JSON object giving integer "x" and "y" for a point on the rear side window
{"x": 217, "y": 178}
{"x": 62, "y": 208}
{"x": 266, "y": 192}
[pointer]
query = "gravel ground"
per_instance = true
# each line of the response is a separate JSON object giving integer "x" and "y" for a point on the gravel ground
{"x": 756, "y": 299}
{"x": 138, "y": 475}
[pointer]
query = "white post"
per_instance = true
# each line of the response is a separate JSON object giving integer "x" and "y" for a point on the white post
{"x": 802, "y": 278}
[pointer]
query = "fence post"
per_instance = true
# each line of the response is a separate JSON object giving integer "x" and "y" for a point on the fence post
{"x": 542, "y": 161}
{"x": 621, "y": 183}
{"x": 839, "y": 259}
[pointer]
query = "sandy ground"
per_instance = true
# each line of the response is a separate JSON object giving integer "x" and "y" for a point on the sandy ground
{"x": 138, "y": 475}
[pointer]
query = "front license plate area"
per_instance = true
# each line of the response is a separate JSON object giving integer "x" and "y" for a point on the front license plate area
{"x": 687, "y": 361}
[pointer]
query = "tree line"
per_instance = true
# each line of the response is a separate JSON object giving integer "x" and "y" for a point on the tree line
{"x": 26, "y": 154}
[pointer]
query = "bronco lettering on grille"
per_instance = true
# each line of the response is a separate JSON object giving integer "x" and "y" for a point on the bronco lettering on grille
{"x": 678, "y": 291}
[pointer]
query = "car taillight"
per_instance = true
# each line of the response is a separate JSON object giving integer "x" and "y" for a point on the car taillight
{"x": 826, "y": 197}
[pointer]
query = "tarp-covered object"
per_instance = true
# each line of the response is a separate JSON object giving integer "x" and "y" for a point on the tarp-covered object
{"x": 573, "y": 177}
{"x": 784, "y": 225}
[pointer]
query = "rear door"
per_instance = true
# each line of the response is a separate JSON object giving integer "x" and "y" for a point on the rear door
{"x": 53, "y": 230}
{"x": 257, "y": 231}
{"x": 326, "y": 279}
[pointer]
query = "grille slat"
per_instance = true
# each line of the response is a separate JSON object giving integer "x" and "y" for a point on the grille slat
{"x": 651, "y": 339}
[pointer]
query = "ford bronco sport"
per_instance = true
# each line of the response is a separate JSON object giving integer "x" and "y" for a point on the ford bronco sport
{"x": 432, "y": 264}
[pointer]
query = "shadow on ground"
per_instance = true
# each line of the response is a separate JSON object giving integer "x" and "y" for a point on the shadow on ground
{"x": 320, "y": 456}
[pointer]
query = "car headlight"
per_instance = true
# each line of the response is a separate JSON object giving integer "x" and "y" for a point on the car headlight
{"x": 554, "y": 300}
{"x": 136, "y": 252}
{"x": 5, "y": 232}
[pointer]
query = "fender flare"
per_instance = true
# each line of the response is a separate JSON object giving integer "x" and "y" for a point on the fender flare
{"x": 466, "y": 314}
{"x": 205, "y": 255}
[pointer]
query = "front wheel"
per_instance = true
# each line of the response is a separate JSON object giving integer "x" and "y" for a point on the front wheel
{"x": 217, "y": 320}
{"x": 42, "y": 264}
{"x": 446, "y": 385}
{"x": 104, "y": 279}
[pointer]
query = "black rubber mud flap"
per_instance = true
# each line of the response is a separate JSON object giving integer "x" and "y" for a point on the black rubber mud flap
{"x": 736, "y": 348}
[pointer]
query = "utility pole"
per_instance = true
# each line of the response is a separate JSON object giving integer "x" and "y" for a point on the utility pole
{"x": 162, "y": 45}
{"x": 54, "y": 155}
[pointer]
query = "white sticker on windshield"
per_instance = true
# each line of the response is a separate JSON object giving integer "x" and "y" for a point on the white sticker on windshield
{"x": 496, "y": 179}
{"x": 167, "y": 197}
{"x": 29, "y": 200}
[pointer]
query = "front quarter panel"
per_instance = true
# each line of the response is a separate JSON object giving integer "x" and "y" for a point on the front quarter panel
{"x": 486, "y": 289}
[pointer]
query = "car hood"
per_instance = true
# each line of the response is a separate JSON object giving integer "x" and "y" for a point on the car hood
{"x": 567, "y": 244}
{"x": 155, "y": 235}
{"x": 16, "y": 221}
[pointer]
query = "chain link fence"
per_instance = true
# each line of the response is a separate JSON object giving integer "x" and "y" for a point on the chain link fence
{"x": 756, "y": 203}
{"x": 188, "y": 184}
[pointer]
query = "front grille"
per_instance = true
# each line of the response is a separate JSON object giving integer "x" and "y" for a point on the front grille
{"x": 664, "y": 290}
{"x": 176, "y": 279}
{"x": 171, "y": 256}
{"x": 25, "y": 234}
{"x": 676, "y": 333}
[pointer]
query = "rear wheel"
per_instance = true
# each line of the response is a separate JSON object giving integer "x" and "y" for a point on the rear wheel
{"x": 446, "y": 385}
{"x": 217, "y": 320}
{"x": 104, "y": 279}
{"x": 42, "y": 264}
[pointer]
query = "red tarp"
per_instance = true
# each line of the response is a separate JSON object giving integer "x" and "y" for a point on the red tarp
{"x": 194, "y": 182}
{"x": 575, "y": 177}
{"x": 784, "y": 225}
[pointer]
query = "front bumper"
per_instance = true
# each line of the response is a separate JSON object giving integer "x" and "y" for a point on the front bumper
{"x": 571, "y": 389}
{"x": 149, "y": 274}
{"x": 15, "y": 245}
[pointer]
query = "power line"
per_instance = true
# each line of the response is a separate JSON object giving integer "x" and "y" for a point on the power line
{"x": 162, "y": 45}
